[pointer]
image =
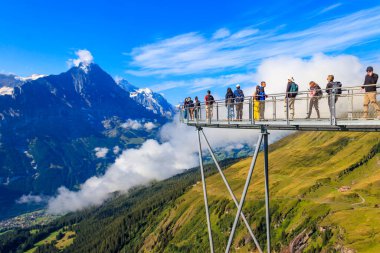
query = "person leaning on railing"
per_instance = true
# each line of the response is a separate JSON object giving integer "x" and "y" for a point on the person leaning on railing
{"x": 229, "y": 102}
{"x": 315, "y": 94}
{"x": 370, "y": 88}
{"x": 333, "y": 90}
{"x": 197, "y": 108}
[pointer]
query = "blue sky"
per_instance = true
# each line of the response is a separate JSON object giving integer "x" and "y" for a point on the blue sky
{"x": 182, "y": 48}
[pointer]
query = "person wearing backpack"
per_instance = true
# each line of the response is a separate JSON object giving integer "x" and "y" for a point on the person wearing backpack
{"x": 370, "y": 88}
{"x": 315, "y": 94}
{"x": 197, "y": 108}
{"x": 229, "y": 102}
{"x": 209, "y": 101}
{"x": 290, "y": 98}
{"x": 239, "y": 100}
{"x": 333, "y": 90}
{"x": 259, "y": 96}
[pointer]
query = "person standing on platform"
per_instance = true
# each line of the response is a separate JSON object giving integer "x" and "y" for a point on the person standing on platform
{"x": 197, "y": 108}
{"x": 315, "y": 94}
{"x": 239, "y": 100}
{"x": 259, "y": 97}
{"x": 370, "y": 88}
{"x": 191, "y": 108}
{"x": 185, "y": 108}
{"x": 333, "y": 90}
{"x": 229, "y": 102}
{"x": 290, "y": 98}
{"x": 209, "y": 101}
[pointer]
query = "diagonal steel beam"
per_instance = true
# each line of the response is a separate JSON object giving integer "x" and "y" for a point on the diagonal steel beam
{"x": 230, "y": 190}
{"x": 244, "y": 194}
{"x": 205, "y": 192}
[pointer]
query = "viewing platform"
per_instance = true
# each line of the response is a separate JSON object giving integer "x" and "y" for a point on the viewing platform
{"x": 347, "y": 114}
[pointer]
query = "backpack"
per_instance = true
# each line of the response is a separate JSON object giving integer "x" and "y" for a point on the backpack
{"x": 336, "y": 88}
{"x": 319, "y": 91}
{"x": 239, "y": 96}
{"x": 293, "y": 89}
{"x": 209, "y": 99}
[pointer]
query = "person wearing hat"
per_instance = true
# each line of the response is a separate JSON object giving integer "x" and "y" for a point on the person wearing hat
{"x": 370, "y": 88}
{"x": 239, "y": 100}
{"x": 291, "y": 93}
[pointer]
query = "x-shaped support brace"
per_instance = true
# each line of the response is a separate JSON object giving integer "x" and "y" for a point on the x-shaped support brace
{"x": 239, "y": 205}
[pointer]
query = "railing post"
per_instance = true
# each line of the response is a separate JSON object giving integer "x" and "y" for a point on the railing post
{"x": 251, "y": 110}
{"x": 287, "y": 110}
{"x": 352, "y": 104}
{"x": 333, "y": 109}
{"x": 307, "y": 104}
{"x": 274, "y": 108}
{"x": 217, "y": 111}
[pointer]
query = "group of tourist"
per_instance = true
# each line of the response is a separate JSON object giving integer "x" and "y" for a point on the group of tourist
{"x": 234, "y": 99}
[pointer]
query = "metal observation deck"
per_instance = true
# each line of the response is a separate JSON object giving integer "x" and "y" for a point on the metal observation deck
{"x": 280, "y": 113}
{"x": 344, "y": 115}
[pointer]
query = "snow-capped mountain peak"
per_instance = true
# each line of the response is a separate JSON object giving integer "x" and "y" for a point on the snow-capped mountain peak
{"x": 152, "y": 101}
{"x": 30, "y": 78}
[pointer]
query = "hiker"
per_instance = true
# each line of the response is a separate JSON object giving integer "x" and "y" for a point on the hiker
{"x": 259, "y": 96}
{"x": 370, "y": 88}
{"x": 191, "y": 108}
{"x": 333, "y": 90}
{"x": 239, "y": 99}
{"x": 229, "y": 102}
{"x": 291, "y": 93}
{"x": 209, "y": 101}
{"x": 315, "y": 94}
{"x": 197, "y": 108}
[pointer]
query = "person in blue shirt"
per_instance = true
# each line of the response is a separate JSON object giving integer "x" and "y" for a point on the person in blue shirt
{"x": 239, "y": 100}
{"x": 260, "y": 96}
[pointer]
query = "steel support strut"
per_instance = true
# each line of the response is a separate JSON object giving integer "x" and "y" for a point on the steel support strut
{"x": 230, "y": 190}
{"x": 264, "y": 133}
{"x": 205, "y": 191}
{"x": 245, "y": 190}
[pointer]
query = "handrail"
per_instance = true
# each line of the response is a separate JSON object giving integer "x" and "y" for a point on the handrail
{"x": 304, "y": 92}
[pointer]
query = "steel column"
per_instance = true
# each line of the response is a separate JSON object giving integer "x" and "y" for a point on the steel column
{"x": 244, "y": 194}
{"x": 230, "y": 190}
{"x": 205, "y": 192}
{"x": 264, "y": 132}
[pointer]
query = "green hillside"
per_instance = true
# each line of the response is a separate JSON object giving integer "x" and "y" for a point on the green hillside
{"x": 325, "y": 196}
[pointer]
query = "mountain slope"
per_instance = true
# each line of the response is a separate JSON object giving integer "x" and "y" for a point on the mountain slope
{"x": 52, "y": 127}
{"x": 324, "y": 196}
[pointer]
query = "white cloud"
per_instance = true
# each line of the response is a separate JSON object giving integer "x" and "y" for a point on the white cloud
{"x": 330, "y": 8}
{"x": 221, "y": 33}
{"x": 101, "y": 152}
{"x": 149, "y": 126}
{"x": 178, "y": 145}
{"x": 84, "y": 56}
{"x": 195, "y": 53}
{"x": 132, "y": 124}
{"x": 116, "y": 150}
{"x": 30, "y": 199}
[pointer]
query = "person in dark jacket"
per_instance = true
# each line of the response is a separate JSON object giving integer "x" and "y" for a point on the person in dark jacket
{"x": 333, "y": 90}
{"x": 185, "y": 108}
{"x": 239, "y": 101}
{"x": 290, "y": 98}
{"x": 229, "y": 102}
{"x": 315, "y": 94}
{"x": 209, "y": 101}
{"x": 260, "y": 97}
{"x": 197, "y": 108}
{"x": 370, "y": 88}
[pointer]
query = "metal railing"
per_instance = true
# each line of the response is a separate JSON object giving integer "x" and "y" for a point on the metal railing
{"x": 347, "y": 107}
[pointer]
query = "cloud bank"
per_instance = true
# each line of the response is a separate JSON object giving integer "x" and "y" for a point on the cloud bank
{"x": 175, "y": 152}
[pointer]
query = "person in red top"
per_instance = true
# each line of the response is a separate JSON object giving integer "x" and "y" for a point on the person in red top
{"x": 209, "y": 101}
